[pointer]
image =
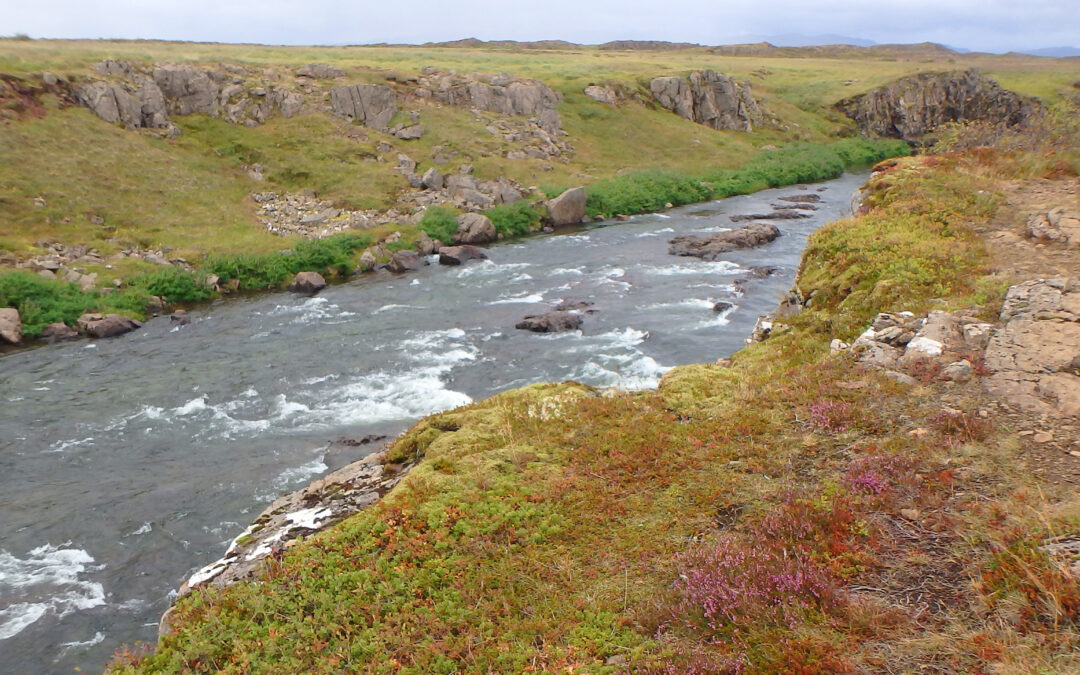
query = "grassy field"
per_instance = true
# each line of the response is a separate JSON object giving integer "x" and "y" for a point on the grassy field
{"x": 190, "y": 195}
{"x": 754, "y": 517}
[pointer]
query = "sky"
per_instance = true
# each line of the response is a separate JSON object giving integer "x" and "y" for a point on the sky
{"x": 981, "y": 25}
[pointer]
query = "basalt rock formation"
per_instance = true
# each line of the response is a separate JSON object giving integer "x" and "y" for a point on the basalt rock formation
{"x": 914, "y": 106}
{"x": 710, "y": 98}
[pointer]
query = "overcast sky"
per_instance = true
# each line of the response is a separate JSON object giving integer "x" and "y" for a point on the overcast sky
{"x": 984, "y": 25}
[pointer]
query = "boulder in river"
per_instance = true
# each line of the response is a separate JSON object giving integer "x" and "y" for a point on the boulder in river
{"x": 568, "y": 208}
{"x": 779, "y": 214}
{"x": 10, "y": 325}
{"x": 58, "y": 331}
{"x": 710, "y": 247}
{"x": 474, "y": 228}
{"x": 801, "y": 199}
{"x": 551, "y": 322}
{"x": 405, "y": 261}
{"x": 458, "y": 255}
{"x": 106, "y": 325}
{"x": 308, "y": 283}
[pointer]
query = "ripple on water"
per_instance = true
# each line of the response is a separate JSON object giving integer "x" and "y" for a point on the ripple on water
{"x": 52, "y": 576}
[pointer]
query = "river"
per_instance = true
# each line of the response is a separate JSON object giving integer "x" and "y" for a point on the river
{"x": 128, "y": 463}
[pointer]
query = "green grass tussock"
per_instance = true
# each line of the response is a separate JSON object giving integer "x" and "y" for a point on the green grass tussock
{"x": 43, "y": 301}
{"x": 514, "y": 220}
{"x": 332, "y": 255}
{"x": 439, "y": 222}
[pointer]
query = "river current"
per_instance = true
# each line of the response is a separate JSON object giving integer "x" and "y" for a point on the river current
{"x": 128, "y": 463}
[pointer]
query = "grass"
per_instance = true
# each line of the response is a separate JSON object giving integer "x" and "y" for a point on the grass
{"x": 745, "y": 518}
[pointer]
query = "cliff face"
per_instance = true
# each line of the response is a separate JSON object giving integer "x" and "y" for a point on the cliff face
{"x": 710, "y": 98}
{"x": 912, "y": 107}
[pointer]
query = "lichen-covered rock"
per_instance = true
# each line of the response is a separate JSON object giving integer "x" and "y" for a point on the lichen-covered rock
{"x": 373, "y": 105}
{"x": 1056, "y": 226}
{"x": 187, "y": 89}
{"x": 914, "y": 106}
{"x": 710, "y": 98}
{"x": 321, "y": 71}
{"x": 605, "y": 94}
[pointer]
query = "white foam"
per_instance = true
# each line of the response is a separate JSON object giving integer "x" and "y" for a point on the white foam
{"x": 65, "y": 647}
{"x": 63, "y": 446}
{"x": 387, "y": 308}
{"x": 486, "y": 268}
{"x": 414, "y": 282}
{"x": 146, "y": 528}
{"x": 690, "y": 303}
{"x": 49, "y": 575}
{"x": 530, "y": 298}
{"x": 566, "y": 271}
{"x": 300, "y": 474}
{"x": 192, "y": 406}
{"x": 700, "y": 268}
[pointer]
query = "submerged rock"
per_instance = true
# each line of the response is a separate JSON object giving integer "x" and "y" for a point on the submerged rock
{"x": 106, "y": 325}
{"x": 710, "y": 247}
{"x": 551, "y": 322}
{"x": 458, "y": 255}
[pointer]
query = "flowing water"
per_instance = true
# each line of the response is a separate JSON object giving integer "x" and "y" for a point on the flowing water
{"x": 126, "y": 464}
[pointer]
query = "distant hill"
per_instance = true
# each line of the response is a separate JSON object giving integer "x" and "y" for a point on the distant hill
{"x": 800, "y": 40}
{"x": 504, "y": 44}
{"x": 659, "y": 45}
{"x": 920, "y": 50}
{"x": 1054, "y": 52}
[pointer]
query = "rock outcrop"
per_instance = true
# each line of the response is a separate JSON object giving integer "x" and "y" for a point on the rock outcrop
{"x": 501, "y": 93}
{"x": 320, "y": 71}
{"x": 712, "y": 246}
{"x": 1036, "y": 356}
{"x": 10, "y": 326}
{"x": 602, "y": 94}
{"x": 307, "y": 283}
{"x": 568, "y": 208}
{"x": 372, "y": 104}
{"x": 710, "y": 98}
{"x": 1056, "y": 226}
{"x": 141, "y": 98}
{"x": 912, "y": 107}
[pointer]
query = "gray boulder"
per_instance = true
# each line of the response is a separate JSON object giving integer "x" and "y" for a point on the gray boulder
{"x": 308, "y": 283}
{"x": 710, "y": 98}
{"x": 58, "y": 331}
{"x": 106, "y": 325}
{"x": 459, "y": 255}
{"x": 600, "y": 94}
{"x": 411, "y": 133}
{"x": 405, "y": 261}
{"x": 373, "y": 105}
{"x": 10, "y": 326}
{"x": 568, "y": 208}
{"x": 551, "y": 322}
{"x": 474, "y": 228}
{"x": 432, "y": 179}
{"x": 711, "y": 247}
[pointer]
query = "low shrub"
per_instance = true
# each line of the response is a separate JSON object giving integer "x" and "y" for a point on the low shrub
{"x": 173, "y": 284}
{"x": 514, "y": 219}
{"x": 642, "y": 192}
{"x": 253, "y": 272}
{"x": 439, "y": 223}
{"x": 43, "y": 301}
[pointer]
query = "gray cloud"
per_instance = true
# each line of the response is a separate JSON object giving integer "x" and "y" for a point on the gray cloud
{"x": 987, "y": 25}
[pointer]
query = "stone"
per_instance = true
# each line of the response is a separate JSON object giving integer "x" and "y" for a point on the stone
{"x": 1043, "y": 437}
{"x": 723, "y": 306}
{"x": 106, "y": 325}
{"x": 411, "y": 133}
{"x": 405, "y": 261}
{"x": 710, "y": 98}
{"x": 1055, "y": 226}
{"x": 180, "y": 317}
{"x": 901, "y": 378}
{"x": 458, "y": 255}
{"x": 58, "y": 331}
{"x": 958, "y": 371}
{"x": 711, "y": 247}
{"x": 605, "y": 95}
{"x": 320, "y": 71}
{"x": 551, "y": 322}
{"x": 367, "y": 261}
{"x": 432, "y": 179}
{"x": 912, "y": 107}
{"x": 778, "y": 214}
{"x": 308, "y": 283}
{"x": 371, "y": 104}
{"x": 10, "y": 325}
{"x": 425, "y": 245}
{"x": 474, "y": 228}
{"x": 910, "y": 514}
{"x": 568, "y": 208}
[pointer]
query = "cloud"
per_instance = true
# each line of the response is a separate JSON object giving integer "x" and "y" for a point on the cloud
{"x": 991, "y": 25}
